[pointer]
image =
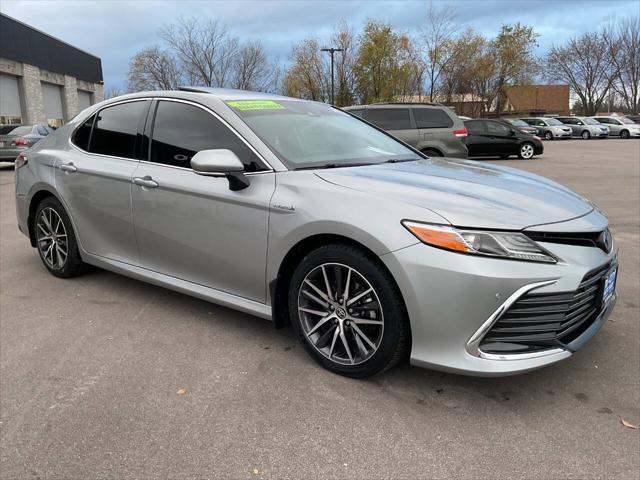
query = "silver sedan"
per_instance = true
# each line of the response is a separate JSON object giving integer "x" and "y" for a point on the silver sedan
{"x": 301, "y": 213}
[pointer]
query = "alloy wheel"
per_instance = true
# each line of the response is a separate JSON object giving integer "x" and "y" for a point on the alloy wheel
{"x": 586, "y": 135}
{"x": 51, "y": 237}
{"x": 526, "y": 151}
{"x": 548, "y": 136}
{"x": 340, "y": 314}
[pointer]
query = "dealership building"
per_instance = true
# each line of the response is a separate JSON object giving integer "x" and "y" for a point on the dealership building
{"x": 43, "y": 79}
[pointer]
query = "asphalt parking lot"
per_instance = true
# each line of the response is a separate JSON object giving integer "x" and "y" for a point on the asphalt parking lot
{"x": 90, "y": 370}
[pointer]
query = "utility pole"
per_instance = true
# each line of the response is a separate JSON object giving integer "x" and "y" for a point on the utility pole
{"x": 331, "y": 52}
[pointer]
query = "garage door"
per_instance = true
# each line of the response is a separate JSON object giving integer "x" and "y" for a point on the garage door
{"x": 10, "y": 111}
{"x": 84, "y": 100}
{"x": 52, "y": 98}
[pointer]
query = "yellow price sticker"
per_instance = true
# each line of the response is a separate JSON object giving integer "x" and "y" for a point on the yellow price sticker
{"x": 244, "y": 105}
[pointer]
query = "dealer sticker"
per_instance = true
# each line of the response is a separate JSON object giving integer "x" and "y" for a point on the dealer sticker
{"x": 244, "y": 105}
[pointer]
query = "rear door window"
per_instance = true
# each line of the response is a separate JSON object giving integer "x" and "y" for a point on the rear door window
{"x": 475, "y": 127}
{"x": 181, "y": 130}
{"x": 390, "y": 118}
{"x": 432, "y": 118}
{"x": 498, "y": 129}
{"x": 116, "y": 128}
{"x": 82, "y": 135}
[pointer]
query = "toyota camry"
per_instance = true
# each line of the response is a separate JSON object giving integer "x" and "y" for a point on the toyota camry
{"x": 303, "y": 214}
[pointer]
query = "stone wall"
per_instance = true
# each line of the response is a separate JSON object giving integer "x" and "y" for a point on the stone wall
{"x": 30, "y": 83}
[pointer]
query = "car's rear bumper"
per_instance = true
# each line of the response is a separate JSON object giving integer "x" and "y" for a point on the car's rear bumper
{"x": 10, "y": 154}
{"x": 451, "y": 296}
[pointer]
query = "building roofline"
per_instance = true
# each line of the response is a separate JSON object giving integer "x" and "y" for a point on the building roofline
{"x": 31, "y": 27}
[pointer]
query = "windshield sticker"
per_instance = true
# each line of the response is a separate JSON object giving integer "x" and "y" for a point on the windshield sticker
{"x": 244, "y": 105}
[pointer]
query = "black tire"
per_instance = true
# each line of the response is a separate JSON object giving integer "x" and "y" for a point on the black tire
{"x": 72, "y": 264}
{"x": 585, "y": 135}
{"x": 526, "y": 151}
{"x": 624, "y": 134}
{"x": 548, "y": 135}
{"x": 393, "y": 345}
{"x": 430, "y": 152}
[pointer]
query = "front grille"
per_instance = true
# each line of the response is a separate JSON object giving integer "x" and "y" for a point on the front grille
{"x": 583, "y": 239}
{"x": 538, "y": 321}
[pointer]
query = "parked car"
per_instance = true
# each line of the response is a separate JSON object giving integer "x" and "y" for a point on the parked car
{"x": 620, "y": 126}
{"x": 585, "y": 127}
{"x": 14, "y": 139}
{"x": 432, "y": 128}
{"x": 633, "y": 118}
{"x": 298, "y": 212}
{"x": 497, "y": 138}
{"x": 549, "y": 128}
{"x": 520, "y": 125}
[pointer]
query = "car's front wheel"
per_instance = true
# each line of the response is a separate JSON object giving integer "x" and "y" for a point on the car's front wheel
{"x": 548, "y": 135}
{"x": 55, "y": 239}
{"x": 526, "y": 151}
{"x": 624, "y": 134}
{"x": 586, "y": 135}
{"x": 348, "y": 312}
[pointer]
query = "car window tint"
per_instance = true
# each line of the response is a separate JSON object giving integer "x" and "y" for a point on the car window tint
{"x": 181, "y": 130}
{"x": 529, "y": 121}
{"x": 475, "y": 127}
{"x": 357, "y": 113}
{"x": 115, "y": 129}
{"x": 432, "y": 118}
{"x": 390, "y": 118}
{"x": 495, "y": 128}
{"x": 81, "y": 136}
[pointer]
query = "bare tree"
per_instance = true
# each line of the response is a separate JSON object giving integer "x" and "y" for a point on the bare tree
{"x": 623, "y": 40}
{"x": 205, "y": 49}
{"x": 153, "y": 69}
{"x": 438, "y": 35}
{"x": 345, "y": 38}
{"x": 112, "y": 92}
{"x": 586, "y": 65}
{"x": 253, "y": 71}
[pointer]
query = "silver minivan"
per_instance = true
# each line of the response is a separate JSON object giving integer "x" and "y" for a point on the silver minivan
{"x": 585, "y": 127}
{"x": 620, "y": 126}
{"x": 432, "y": 128}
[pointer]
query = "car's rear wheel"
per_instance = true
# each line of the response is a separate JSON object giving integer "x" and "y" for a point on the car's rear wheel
{"x": 624, "y": 134}
{"x": 586, "y": 135}
{"x": 548, "y": 135}
{"x": 526, "y": 151}
{"x": 430, "y": 152}
{"x": 55, "y": 239}
{"x": 348, "y": 312}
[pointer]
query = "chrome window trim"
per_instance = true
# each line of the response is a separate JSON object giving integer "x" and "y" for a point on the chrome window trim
{"x": 119, "y": 102}
{"x": 473, "y": 345}
{"x": 223, "y": 121}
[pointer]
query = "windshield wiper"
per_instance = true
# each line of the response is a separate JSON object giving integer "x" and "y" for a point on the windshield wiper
{"x": 402, "y": 160}
{"x": 333, "y": 165}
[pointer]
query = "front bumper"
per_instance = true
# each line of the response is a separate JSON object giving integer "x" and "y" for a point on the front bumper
{"x": 451, "y": 296}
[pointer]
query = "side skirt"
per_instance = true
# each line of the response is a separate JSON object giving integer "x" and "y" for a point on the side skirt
{"x": 183, "y": 286}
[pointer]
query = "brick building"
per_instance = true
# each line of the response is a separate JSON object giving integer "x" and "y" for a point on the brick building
{"x": 43, "y": 79}
{"x": 536, "y": 100}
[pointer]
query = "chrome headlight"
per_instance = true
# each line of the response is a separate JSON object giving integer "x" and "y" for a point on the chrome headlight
{"x": 509, "y": 245}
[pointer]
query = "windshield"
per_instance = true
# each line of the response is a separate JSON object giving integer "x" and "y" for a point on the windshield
{"x": 590, "y": 121}
{"x": 518, "y": 123}
{"x": 309, "y": 135}
{"x": 553, "y": 121}
{"x": 626, "y": 120}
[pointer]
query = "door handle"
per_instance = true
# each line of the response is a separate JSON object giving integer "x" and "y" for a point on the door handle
{"x": 68, "y": 167}
{"x": 145, "y": 182}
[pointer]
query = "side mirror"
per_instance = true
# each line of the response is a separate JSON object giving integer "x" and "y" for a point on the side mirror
{"x": 513, "y": 133}
{"x": 579, "y": 123}
{"x": 221, "y": 163}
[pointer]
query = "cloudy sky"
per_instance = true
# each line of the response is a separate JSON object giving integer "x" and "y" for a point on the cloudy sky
{"x": 115, "y": 30}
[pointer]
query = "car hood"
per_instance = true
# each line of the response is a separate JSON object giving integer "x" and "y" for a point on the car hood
{"x": 467, "y": 194}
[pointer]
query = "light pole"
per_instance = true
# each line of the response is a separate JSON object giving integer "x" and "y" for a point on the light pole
{"x": 331, "y": 52}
